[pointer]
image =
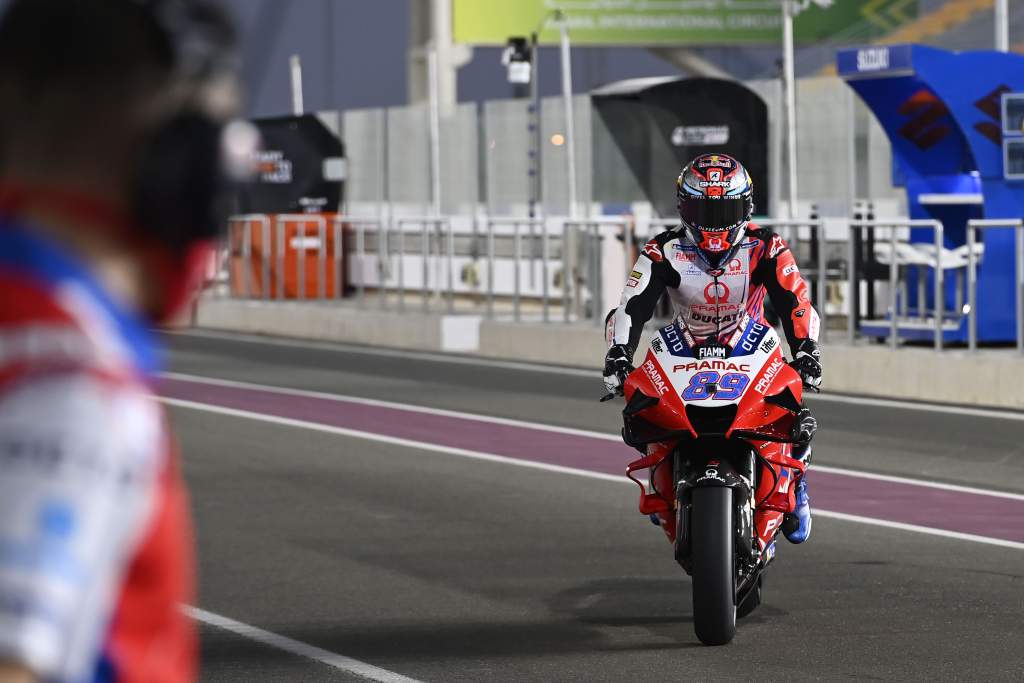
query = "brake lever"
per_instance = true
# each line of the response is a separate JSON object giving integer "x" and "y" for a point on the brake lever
{"x": 813, "y": 388}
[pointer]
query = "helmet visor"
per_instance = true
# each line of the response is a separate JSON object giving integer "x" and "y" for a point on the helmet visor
{"x": 714, "y": 214}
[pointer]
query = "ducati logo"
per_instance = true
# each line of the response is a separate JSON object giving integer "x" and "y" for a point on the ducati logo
{"x": 716, "y": 293}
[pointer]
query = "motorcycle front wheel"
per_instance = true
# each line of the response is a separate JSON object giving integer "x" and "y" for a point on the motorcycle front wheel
{"x": 713, "y": 576}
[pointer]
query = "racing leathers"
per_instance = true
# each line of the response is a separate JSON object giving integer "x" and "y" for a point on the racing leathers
{"x": 713, "y": 302}
{"x": 95, "y": 544}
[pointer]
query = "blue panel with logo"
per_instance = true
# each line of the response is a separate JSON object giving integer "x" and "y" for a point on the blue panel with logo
{"x": 752, "y": 336}
{"x": 674, "y": 341}
{"x": 942, "y": 113}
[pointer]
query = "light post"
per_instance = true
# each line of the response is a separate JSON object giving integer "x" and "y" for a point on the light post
{"x": 524, "y": 67}
{"x": 789, "y": 87}
{"x": 1002, "y": 16}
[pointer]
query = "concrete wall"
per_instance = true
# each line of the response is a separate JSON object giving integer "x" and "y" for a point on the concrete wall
{"x": 988, "y": 378}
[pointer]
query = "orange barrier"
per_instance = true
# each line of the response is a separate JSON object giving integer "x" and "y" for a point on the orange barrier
{"x": 285, "y": 250}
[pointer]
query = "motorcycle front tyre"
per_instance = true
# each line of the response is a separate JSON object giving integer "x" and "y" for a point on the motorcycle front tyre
{"x": 713, "y": 576}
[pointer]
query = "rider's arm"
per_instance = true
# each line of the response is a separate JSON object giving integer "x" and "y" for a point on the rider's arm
{"x": 78, "y": 468}
{"x": 651, "y": 274}
{"x": 790, "y": 295}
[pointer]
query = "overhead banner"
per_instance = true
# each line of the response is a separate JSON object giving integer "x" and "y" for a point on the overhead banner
{"x": 674, "y": 22}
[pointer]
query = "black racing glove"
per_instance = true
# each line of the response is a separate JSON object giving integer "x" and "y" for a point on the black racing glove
{"x": 618, "y": 363}
{"x": 807, "y": 362}
{"x": 804, "y": 428}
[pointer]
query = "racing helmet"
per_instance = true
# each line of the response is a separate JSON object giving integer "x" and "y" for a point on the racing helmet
{"x": 714, "y": 196}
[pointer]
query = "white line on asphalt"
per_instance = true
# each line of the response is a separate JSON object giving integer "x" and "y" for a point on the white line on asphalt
{"x": 490, "y": 457}
{"x": 295, "y": 647}
{"x": 550, "y": 428}
{"x": 394, "y": 440}
{"x": 579, "y": 372}
{"x": 962, "y": 411}
{"x": 916, "y": 482}
{"x": 919, "y": 529}
{"x": 359, "y": 400}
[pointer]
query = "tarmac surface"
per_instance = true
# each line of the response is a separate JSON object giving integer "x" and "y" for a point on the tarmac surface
{"x": 354, "y": 531}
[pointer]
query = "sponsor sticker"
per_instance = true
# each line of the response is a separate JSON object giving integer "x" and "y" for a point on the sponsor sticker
{"x": 776, "y": 247}
{"x": 769, "y": 376}
{"x": 634, "y": 279}
{"x": 651, "y": 370}
{"x": 753, "y": 336}
{"x": 711, "y": 351}
{"x": 721, "y": 365}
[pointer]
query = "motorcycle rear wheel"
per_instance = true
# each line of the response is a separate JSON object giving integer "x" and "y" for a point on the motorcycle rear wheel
{"x": 713, "y": 576}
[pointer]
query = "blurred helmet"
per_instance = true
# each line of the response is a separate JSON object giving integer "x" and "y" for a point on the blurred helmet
{"x": 714, "y": 195}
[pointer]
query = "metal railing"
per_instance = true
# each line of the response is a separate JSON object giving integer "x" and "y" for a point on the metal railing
{"x": 493, "y": 222}
{"x": 360, "y": 223}
{"x": 892, "y": 224}
{"x": 443, "y": 224}
{"x": 521, "y": 282}
{"x": 580, "y": 257}
{"x": 591, "y": 229}
{"x": 1017, "y": 225}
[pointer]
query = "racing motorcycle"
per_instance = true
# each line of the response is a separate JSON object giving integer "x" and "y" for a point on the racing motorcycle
{"x": 714, "y": 421}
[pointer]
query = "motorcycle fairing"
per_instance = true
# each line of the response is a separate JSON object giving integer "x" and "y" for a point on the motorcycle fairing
{"x": 660, "y": 418}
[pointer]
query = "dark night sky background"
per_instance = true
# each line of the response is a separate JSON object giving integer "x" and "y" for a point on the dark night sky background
{"x": 366, "y": 44}
{"x": 354, "y": 56}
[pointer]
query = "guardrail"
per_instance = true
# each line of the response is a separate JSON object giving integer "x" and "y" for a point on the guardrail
{"x": 1017, "y": 225}
{"x": 854, "y": 282}
{"x": 567, "y": 266}
{"x": 580, "y": 258}
{"x": 360, "y": 223}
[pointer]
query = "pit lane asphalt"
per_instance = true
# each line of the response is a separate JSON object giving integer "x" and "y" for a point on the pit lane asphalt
{"x": 441, "y": 568}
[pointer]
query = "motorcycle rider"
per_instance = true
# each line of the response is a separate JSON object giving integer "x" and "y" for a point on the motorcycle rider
{"x": 115, "y": 142}
{"x": 717, "y": 267}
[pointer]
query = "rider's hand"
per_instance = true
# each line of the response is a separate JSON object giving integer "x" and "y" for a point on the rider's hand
{"x": 804, "y": 428}
{"x": 807, "y": 362}
{"x": 618, "y": 363}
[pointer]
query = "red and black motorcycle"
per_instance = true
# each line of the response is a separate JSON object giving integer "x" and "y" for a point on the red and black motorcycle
{"x": 715, "y": 423}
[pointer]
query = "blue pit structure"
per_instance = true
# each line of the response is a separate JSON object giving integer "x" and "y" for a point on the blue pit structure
{"x": 943, "y": 113}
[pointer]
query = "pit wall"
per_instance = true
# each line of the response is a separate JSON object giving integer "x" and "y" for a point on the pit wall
{"x": 987, "y": 378}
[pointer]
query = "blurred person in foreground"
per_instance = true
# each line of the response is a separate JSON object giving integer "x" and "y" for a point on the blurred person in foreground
{"x": 717, "y": 267}
{"x": 115, "y": 148}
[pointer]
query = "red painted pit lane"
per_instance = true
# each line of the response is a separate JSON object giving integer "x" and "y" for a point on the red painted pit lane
{"x": 964, "y": 512}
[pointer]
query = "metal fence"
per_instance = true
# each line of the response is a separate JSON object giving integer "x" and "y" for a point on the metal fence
{"x": 565, "y": 270}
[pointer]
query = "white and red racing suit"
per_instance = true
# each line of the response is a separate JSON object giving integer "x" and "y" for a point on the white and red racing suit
{"x": 714, "y": 301}
{"x": 95, "y": 542}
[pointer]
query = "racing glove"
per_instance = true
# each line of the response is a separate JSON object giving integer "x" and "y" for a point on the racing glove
{"x": 618, "y": 363}
{"x": 804, "y": 428}
{"x": 807, "y": 362}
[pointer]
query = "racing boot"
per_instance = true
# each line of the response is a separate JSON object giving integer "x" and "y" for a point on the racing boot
{"x": 796, "y": 526}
